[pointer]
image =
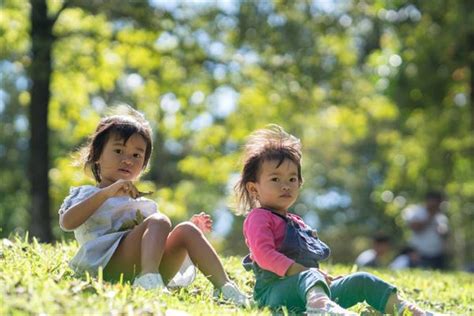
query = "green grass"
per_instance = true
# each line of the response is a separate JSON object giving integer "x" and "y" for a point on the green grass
{"x": 35, "y": 278}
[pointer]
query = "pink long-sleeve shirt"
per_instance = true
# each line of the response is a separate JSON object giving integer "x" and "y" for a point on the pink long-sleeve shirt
{"x": 264, "y": 233}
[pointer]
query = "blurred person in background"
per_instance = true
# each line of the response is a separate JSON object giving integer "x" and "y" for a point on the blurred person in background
{"x": 377, "y": 256}
{"x": 407, "y": 258}
{"x": 429, "y": 231}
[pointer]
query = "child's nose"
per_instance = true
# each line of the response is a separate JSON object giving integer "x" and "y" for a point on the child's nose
{"x": 127, "y": 160}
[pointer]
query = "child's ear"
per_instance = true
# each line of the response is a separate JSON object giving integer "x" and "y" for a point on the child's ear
{"x": 251, "y": 188}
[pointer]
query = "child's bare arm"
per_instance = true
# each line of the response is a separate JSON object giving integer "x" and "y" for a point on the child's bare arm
{"x": 77, "y": 214}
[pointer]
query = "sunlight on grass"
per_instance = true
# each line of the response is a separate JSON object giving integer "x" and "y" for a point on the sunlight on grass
{"x": 35, "y": 278}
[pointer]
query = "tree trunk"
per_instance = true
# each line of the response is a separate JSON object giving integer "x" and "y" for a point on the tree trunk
{"x": 40, "y": 74}
{"x": 470, "y": 55}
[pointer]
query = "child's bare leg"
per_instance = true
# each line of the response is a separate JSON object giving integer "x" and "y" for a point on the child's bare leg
{"x": 392, "y": 303}
{"x": 185, "y": 239}
{"x": 395, "y": 303}
{"x": 142, "y": 247}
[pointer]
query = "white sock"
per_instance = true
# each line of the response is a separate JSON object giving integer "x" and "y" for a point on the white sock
{"x": 315, "y": 293}
{"x": 317, "y": 299}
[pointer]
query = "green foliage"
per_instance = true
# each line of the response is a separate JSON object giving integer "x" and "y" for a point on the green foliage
{"x": 379, "y": 93}
{"x": 14, "y": 26}
{"x": 35, "y": 278}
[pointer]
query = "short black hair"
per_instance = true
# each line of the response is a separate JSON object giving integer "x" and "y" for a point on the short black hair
{"x": 435, "y": 195}
{"x": 381, "y": 237}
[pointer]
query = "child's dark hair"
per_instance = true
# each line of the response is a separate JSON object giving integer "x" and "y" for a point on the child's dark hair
{"x": 269, "y": 144}
{"x": 434, "y": 195}
{"x": 124, "y": 125}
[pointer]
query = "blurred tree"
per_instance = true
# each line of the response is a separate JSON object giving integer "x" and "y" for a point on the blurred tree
{"x": 356, "y": 82}
{"x": 14, "y": 127}
{"x": 432, "y": 86}
{"x": 105, "y": 54}
{"x": 379, "y": 92}
{"x": 42, "y": 42}
{"x": 40, "y": 73}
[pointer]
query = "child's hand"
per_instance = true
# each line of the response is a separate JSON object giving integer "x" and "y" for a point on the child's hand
{"x": 329, "y": 278}
{"x": 203, "y": 221}
{"x": 121, "y": 188}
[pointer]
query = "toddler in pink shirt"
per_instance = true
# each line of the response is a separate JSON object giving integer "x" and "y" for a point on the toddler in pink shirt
{"x": 284, "y": 251}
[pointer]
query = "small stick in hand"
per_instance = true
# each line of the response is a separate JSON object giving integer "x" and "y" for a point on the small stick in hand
{"x": 140, "y": 194}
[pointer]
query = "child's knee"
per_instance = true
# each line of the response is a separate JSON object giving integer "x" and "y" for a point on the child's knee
{"x": 315, "y": 272}
{"x": 158, "y": 220}
{"x": 362, "y": 277}
{"x": 362, "y": 274}
{"x": 187, "y": 229}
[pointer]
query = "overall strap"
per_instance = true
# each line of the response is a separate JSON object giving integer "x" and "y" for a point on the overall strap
{"x": 286, "y": 219}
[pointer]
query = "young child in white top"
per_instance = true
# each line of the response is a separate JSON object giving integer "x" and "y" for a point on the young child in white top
{"x": 123, "y": 232}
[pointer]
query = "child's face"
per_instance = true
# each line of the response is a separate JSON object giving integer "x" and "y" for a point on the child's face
{"x": 276, "y": 188}
{"x": 121, "y": 161}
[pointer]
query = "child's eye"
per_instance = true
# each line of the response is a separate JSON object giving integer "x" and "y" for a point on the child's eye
{"x": 293, "y": 179}
{"x": 137, "y": 155}
{"x": 118, "y": 150}
{"x": 275, "y": 179}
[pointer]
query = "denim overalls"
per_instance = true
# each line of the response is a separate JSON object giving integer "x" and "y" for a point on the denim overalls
{"x": 300, "y": 245}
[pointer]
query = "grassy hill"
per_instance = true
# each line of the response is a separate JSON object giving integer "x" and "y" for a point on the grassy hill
{"x": 35, "y": 278}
